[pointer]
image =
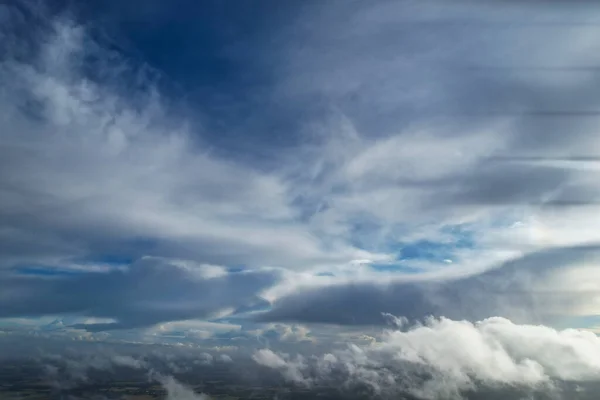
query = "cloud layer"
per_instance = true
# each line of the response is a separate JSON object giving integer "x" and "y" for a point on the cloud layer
{"x": 445, "y": 359}
{"x": 541, "y": 287}
{"x": 443, "y": 163}
{"x": 91, "y": 168}
{"x": 148, "y": 292}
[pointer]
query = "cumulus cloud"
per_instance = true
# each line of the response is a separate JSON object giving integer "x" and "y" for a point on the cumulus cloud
{"x": 443, "y": 358}
{"x": 205, "y": 359}
{"x": 268, "y": 358}
{"x": 225, "y": 358}
{"x": 291, "y": 369}
{"x": 178, "y": 391}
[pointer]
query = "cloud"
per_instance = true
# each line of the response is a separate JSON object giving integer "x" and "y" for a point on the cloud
{"x": 206, "y": 359}
{"x": 543, "y": 286}
{"x": 159, "y": 188}
{"x": 225, "y": 358}
{"x": 284, "y": 333}
{"x": 414, "y": 120}
{"x": 291, "y": 369}
{"x": 149, "y": 292}
{"x": 127, "y": 361}
{"x": 192, "y": 329}
{"x": 177, "y": 391}
{"x": 68, "y": 369}
{"x": 432, "y": 100}
{"x": 71, "y": 369}
{"x": 96, "y": 169}
{"x": 443, "y": 358}
{"x": 268, "y": 358}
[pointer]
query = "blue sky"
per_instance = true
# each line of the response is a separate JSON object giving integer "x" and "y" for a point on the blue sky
{"x": 204, "y": 170}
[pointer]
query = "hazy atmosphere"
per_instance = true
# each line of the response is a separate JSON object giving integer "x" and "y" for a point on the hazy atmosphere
{"x": 297, "y": 199}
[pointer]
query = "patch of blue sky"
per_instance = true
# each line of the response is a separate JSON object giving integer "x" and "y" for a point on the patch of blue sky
{"x": 443, "y": 250}
{"x": 122, "y": 253}
{"x": 454, "y": 237}
{"x": 580, "y": 322}
{"x": 74, "y": 267}
{"x": 394, "y": 267}
{"x": 429, "y": 250}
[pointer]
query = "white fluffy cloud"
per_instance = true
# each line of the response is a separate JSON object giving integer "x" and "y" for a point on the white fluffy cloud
{"x": 191, "y": 329}
{"x": 178, "y": 391}
{"x": 291, "y": 369}
{"x": 443, "y": 358}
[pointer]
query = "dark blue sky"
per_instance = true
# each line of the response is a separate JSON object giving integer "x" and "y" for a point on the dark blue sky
{"x": 214, "y": 56}
{"x": 258, "y": 74}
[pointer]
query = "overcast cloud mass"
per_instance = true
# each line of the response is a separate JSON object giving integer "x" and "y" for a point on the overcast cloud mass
{"x": 412, "y": 184}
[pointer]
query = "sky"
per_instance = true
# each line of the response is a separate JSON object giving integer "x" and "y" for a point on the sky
{"x": 302, "y": 173}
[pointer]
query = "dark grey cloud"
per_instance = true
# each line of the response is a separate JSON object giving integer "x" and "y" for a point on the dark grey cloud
{"x": 148, "y": 292}
{"x": 518, "y": 289}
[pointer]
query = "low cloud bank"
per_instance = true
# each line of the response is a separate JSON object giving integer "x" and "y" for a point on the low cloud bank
{"x": 149, "y": 291}
{"x": 443, "y": 358}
